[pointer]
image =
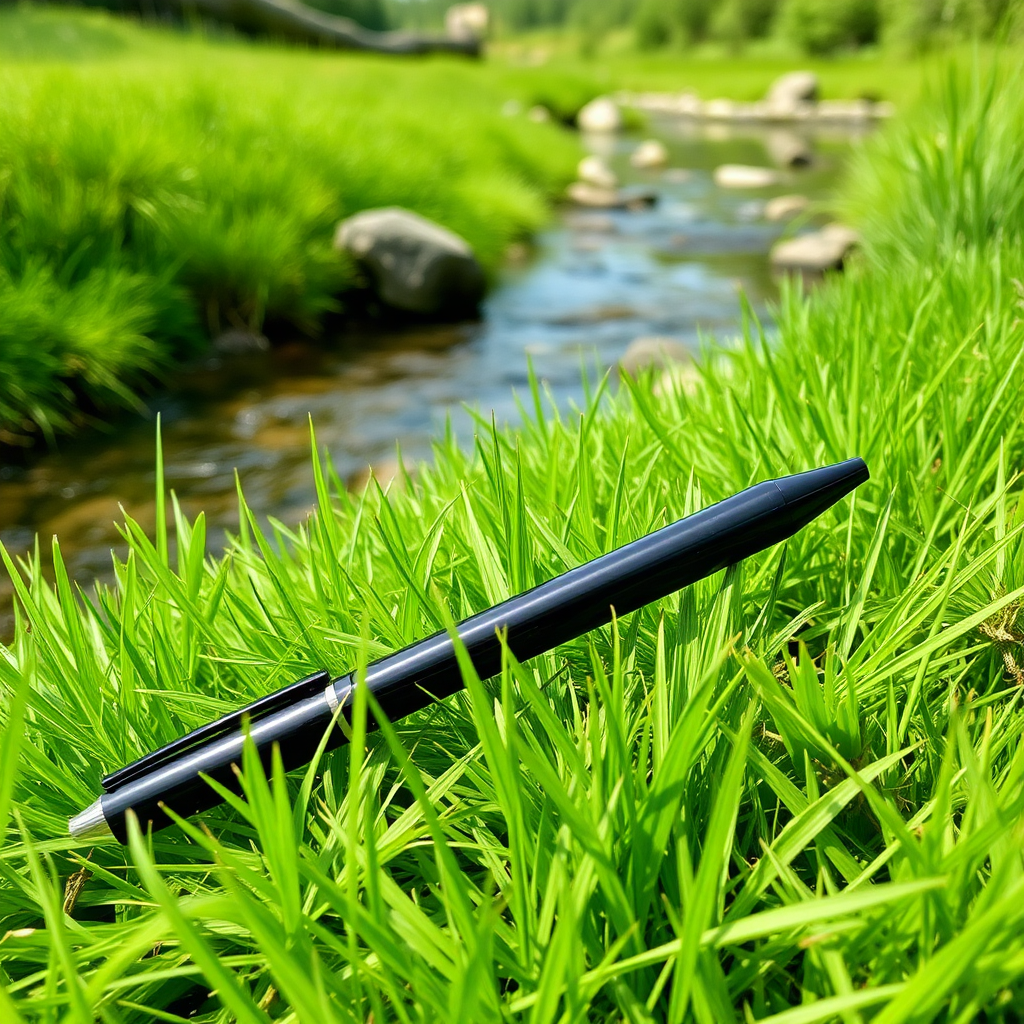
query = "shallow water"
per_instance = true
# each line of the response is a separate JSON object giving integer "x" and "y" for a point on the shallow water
{"x": 594, "y": 282}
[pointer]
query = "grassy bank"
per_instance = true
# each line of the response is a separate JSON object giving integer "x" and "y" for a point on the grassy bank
{"x": 791, "y": 793}
{"x": 159, "y": 188}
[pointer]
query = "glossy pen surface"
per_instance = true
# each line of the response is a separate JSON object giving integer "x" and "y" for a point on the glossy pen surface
{"x": 536, "y": 621}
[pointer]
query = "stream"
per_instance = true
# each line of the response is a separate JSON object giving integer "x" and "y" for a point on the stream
{"x": 591, "y": 284}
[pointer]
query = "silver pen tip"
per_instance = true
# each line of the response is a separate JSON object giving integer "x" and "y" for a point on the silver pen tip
{"x": 90, "y": 822}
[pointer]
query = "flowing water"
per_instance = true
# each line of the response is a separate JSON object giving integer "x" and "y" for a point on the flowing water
{"x": 594, "y": 282}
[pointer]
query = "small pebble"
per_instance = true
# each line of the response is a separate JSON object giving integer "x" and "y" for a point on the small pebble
{"x": 600, "y": 115}
{"x": 656, "y": 351}
{"x": 594, "y": 171}
{"x": 650, "y": 153}
{"x": 743, "y": 176}
{"x": 785, "y": 207}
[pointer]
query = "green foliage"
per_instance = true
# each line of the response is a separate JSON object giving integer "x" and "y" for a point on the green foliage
{"x": 816, "y": 26}
{"x": 162, "y": 188}
{"x": 654, "y": 24}
{"x": 917, "y": 23}
{"x": 658, "y": 22}
{"x": 822, "y": 26}
{"x": 792, "y": 792}
{"x": 739, "y": 20}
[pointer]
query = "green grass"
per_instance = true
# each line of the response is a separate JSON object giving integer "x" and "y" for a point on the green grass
{"x": 163, "y": 187}
{"x": 793, "y": 792}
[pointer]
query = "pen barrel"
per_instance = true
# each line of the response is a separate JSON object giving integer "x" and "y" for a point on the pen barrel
{"x": 550, "y": 614}
{"x": 583, "y": 598}
{"x": 542, "y": 618}
{"x": 297, "y": 731}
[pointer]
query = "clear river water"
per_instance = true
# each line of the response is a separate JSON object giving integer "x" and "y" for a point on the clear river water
{"x": 592, "y": 283}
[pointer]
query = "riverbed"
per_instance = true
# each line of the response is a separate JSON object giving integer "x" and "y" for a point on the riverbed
{"x": 569, "y": 305}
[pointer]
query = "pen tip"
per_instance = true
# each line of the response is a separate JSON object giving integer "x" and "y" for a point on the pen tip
{"x": 829, "y": 482}
{"x": 808, "y": 495}
{"x": 90, "y": 822}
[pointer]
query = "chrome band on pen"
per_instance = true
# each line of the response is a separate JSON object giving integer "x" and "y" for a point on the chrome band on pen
{"x": 331, "y": 692}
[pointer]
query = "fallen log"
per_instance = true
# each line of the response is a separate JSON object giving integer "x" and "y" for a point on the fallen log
{"x": 294, "y": 21}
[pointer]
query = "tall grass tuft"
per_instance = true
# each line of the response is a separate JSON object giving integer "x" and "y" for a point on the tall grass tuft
{"x": 950, "y": 178}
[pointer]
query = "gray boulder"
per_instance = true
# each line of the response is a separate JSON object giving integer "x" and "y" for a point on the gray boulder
{"x": 415, "y": 264}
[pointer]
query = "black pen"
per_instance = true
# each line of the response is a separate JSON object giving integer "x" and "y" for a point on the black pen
{"x": 550, "y": 614}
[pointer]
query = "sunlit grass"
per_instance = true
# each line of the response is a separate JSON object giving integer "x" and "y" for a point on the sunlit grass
{"x": 194, "y": 185}
{"x": 950, "y": 179}
{"x": 792, "y": 792}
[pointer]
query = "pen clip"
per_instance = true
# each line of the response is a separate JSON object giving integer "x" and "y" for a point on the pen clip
{"x": 315, "y": 683}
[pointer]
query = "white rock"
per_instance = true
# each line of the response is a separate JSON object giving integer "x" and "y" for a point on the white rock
{"x": 655, "y": 351}
{"x": 719, "y": 110}
{"x": 415, "y": 264}
{"x": 539, "y": 114}
{"x": 743, "y": 176}
{"x": 747, "y": 112}
{"x": 817, "y": 252}
{"x": 787, "y": 149}
{"x": 584, "y": 194}
{"x": 785, "y": 207}
{"x": 688, "y": 104}
{"x": 600, "y": 115}
{"x": 847, "y": 111}
{"x": 650, "y": 153}
{"x": 511, "y": 108}
{"x": 594, "y": 171}
{"x": 792, "y": 93}
{"x": 842, "y": 234}
{"x": 467, "y": 21}
{"x": 883, "y": 109}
